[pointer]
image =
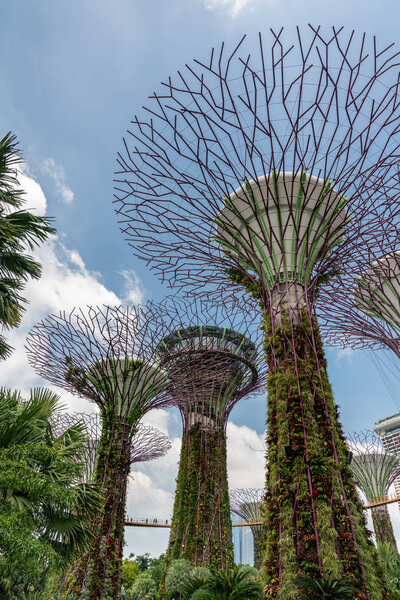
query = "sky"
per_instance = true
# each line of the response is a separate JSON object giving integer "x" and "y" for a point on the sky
{"x": 72, "y": 75}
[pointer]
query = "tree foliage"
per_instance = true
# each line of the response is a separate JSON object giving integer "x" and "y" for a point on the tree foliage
{"x": 44, "y": 510}
{"x": 20, "y": 232}
{"x": 330, "y": 588}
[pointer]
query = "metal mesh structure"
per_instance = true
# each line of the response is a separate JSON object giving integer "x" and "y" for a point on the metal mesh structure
{"x": 375, "y": 470}
{"x": 361, "y": 308}
{"x": 261, "y": 157}
{"x": 212, "y": 357}
{"x": 247, "y": 504}
{"x": 105, "y": 354}
{"x": 148, "y": 443}
{"x": 273, "y": 167}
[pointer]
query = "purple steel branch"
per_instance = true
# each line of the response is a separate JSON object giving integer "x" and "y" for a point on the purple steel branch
{"x": 322, "y": 104}
{"x": 148, "y": 443}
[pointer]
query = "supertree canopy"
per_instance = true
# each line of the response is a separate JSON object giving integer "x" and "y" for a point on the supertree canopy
{"x": 361, "y": 308}
{"x": 271, "y": 167}
{"x": 107, "y": 355}
{"x": 148, "y": 443}
{"x": 247, "y": 504}
{"x": 374, "y": 470}
{"x": 211, "y": 357}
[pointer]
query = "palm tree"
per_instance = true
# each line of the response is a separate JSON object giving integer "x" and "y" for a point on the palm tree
{"x": 390, "y": 560}
{"x": 44, "y": 511}
{"x": 20, "y": 231}
{"x": 234, "y": 584}
{"x": 329, "y": 588}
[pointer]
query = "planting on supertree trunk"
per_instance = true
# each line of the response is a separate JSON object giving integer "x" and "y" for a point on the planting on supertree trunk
{"x": 211, "y": 358}
{"x": 107, "y": 355}
{"x": 275, "y": 168}
{"x": 247, "y": 504}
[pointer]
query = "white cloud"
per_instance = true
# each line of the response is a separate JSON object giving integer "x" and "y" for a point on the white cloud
{"x": 231, "y": 7}
{"x": 345, "y": 354}
{"x": 132, "y": 292}
{"x": 65, "y": 283}
{"x": 246, "y": 457}
{"x": 57, "y": 174}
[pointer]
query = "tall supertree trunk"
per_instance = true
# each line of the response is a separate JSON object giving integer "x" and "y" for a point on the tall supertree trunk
{"x": 201, "y": 529}
{"x": 313, "y": 517}
{"x": 383, "y": 525}
{"x": 258, "y": 546}
{"x": 97, "y": 575}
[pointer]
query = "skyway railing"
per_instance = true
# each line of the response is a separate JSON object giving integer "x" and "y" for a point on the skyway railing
{"x": 135, "y": 522}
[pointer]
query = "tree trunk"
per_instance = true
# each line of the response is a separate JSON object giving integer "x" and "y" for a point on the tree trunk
{"x": 201, "y": 528}
{"x": 383, "y": 525}
{"x": 314, "y": 520}
{"x": 97, "y": 575}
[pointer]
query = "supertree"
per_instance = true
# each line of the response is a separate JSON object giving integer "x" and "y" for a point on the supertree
{"x": 148, "y": 443}
{"x": 374, "y": 470}
{"x": 247, "y": 504}
{"x": 267, "y": 167}
{"x": 105, "y": 354}
{"x": 211, "y": 356}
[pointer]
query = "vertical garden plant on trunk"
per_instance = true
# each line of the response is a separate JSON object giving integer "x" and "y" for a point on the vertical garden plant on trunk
{"x": 211, "y": 358}
{"x": 107, "y": 355}
{"x": 264, "y": 167}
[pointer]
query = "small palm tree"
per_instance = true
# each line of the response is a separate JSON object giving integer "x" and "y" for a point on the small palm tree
{"x": 234, "y": 584}
{"x": 43, "y": 507}
{"x": 329, "y": 588}
{"x": 20, "y": 231}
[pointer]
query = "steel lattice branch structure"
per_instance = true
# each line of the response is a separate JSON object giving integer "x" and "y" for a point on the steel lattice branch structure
{"x": 105, "y": 354}
{"x": 148, "y": 443}
{"x": 247, "y": 504}
{"x": 375, "y": 470}
{"x": 272, "y": 167}
{"x": 211, "y": 356}
{"x": 361, "y": 308}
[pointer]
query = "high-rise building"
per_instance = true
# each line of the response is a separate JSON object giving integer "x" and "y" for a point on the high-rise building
{"x": 388, "y": 430}
{"x": 242, "y": 543}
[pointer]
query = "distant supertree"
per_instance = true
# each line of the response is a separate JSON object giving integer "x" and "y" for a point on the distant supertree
{"x": 374, "y": 470}
{"x": 148, "y": 443}
{"x": 107, "y": 355}
{"x": 247, "y": 504}
{"x": 272, "y": 167}
{"x": 211, "y": 357}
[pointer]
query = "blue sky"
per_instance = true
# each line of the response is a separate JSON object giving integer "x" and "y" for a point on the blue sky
{"x": 72, "y": 74}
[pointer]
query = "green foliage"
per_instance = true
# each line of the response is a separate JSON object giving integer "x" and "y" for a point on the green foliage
{"x": 177, "y": 575}
{"x": 130, "y": 570}
{"x": 238, "y": 583}
{"x": 145, "y": 587}
{"x": 326, "y": 589}
{"x": 242, "y": 279}
{"x": 314, "y": 522}
{"x": 99, "y": 570}
{"x": 390, "y": 560}
{"x": 201, "y": 529}
{"x": 44, "y": 511}
{"x": 20, "y": 231}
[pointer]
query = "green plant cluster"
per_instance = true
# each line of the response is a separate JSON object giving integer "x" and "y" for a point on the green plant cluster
{"x": 201, "y": 528}
{"x": 390, "y": 560}
{"x": 98, "y": 572}
{"x": 314, "y": 521}
{"x": 44, "y": 510}
{"x": 242, "y": 279}
{"x": 239, "y": 582}
{"x": 383, "y": 525}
